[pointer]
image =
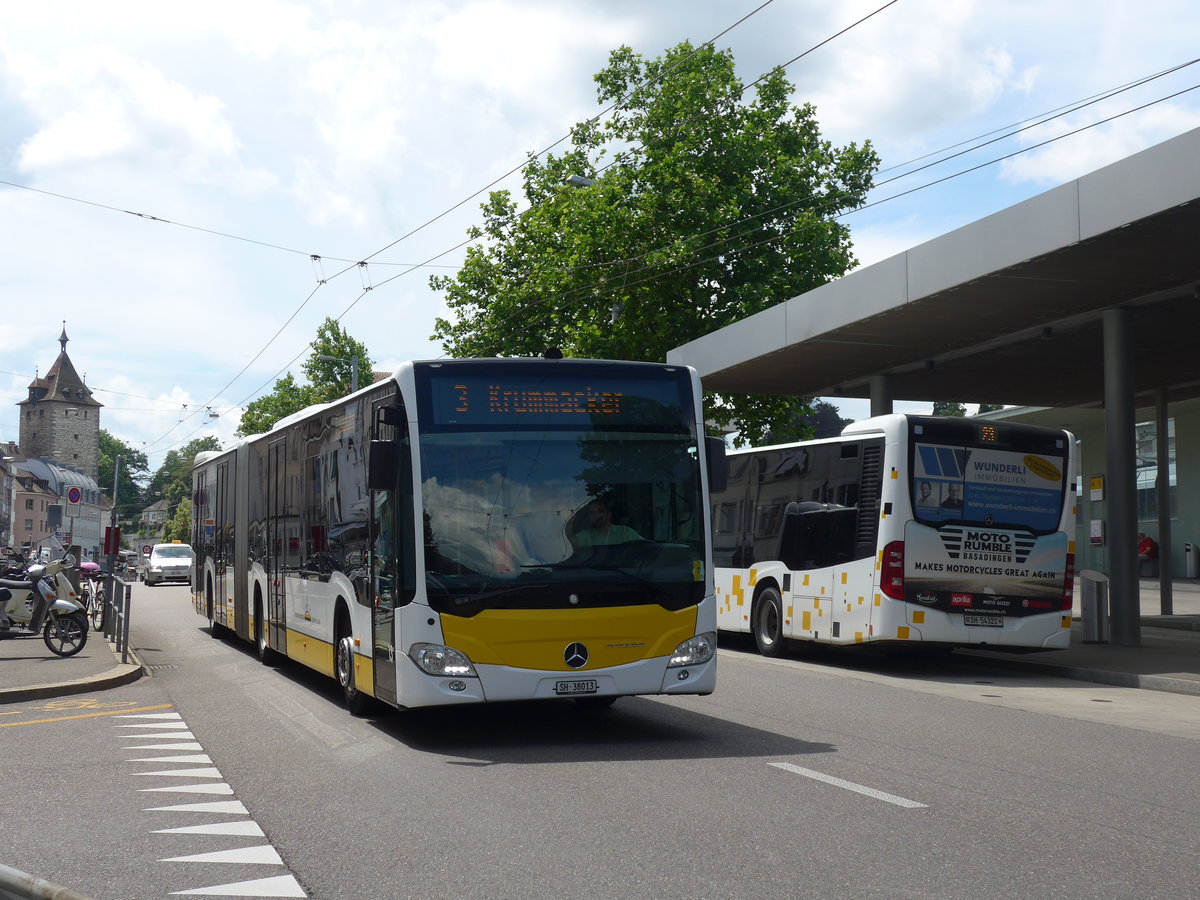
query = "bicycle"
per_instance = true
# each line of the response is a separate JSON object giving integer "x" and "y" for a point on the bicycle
{"x": 92, "y": 587}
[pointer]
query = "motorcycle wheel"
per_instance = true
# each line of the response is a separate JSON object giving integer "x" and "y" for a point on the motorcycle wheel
{"x": 66, "y": 635}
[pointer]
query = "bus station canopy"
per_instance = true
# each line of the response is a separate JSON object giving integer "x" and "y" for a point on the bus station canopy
{"x": 1008, "y": 309}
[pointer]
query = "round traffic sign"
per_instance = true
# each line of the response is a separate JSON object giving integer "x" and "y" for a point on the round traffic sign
{"x": 74, "y": 495}
{"x": 146, "y": 548}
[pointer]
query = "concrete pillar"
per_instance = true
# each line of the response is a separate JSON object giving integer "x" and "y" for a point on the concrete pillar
{"x": 1121, "y": 486}
{"x": 881, "y": 395}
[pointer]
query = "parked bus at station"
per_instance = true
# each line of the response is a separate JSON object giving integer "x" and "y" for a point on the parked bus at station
{"x": 905, "y": 529}
{"x": 473, "y": 530}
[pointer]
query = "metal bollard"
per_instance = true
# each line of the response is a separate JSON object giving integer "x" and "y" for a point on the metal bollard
{"x": 1093, "y": 607}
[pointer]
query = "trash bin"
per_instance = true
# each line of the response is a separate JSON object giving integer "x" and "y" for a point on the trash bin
{"x": 1191, "y": 559}
{"x": 1093, "y": 607}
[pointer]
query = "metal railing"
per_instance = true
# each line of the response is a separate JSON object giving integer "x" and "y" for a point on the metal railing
{"x": 18, "y": 885}
{"x": 116, "y": 615}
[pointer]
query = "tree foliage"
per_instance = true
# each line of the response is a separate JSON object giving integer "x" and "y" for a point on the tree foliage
{"x": 173, "y": 480}
{"x": 134, "y": 468}
{"x": 988, "y": 407}
{"x": 707, "y": 208}
{"x": 949, "y": 409}
{"x": 179, "y": 526}
{"x": 328, "y": 379}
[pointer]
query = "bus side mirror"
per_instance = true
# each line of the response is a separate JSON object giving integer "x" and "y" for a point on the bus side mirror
{"x": 381, "y": 466}
{"x": 718, "y": 464}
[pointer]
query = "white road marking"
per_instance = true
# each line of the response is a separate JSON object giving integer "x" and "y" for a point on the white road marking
{"x": 265, "y": 855}
{"x": 221, "y": 788}
{"x": 850, "y": 786}
{"x": 173, "y": 715}
{"x": 226, "y": 807}
{"x": 243, "y": 828}
{"x": 279, "y": 886}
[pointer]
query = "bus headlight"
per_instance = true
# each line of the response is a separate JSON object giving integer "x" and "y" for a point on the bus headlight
{"x": 694, "y": 651}
{"x": 434, "y": 659}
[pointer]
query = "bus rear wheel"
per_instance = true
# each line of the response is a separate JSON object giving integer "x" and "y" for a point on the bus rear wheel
{"x": 767, "y": 622}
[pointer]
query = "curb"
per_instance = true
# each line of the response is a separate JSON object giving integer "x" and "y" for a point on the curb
{"x": 122, "y": 673}
{"x": 1162, "y": 683}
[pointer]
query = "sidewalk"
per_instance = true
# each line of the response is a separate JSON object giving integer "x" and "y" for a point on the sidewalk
{"x": 29, "y": 671}
{"x": 1167, "y": 660}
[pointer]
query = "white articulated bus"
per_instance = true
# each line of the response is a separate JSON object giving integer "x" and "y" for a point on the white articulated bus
{"x": 954, "y": 531}
{"x": 473, "y": 530}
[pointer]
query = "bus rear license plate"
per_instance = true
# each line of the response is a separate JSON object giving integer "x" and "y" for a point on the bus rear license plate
{"x": 570, "y": 688}
{"x": 989, "y": 621}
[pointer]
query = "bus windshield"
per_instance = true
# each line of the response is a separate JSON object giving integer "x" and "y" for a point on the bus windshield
{"x": 547, "y": 518}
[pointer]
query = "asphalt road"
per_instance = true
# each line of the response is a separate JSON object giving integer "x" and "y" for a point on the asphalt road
{"x": 812, "y": 776}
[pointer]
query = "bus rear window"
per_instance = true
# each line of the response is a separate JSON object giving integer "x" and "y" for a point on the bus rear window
{"x": 986, "y": 486}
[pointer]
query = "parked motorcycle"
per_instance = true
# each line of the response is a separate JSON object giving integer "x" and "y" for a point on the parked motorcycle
{"x": 44, "y": 601}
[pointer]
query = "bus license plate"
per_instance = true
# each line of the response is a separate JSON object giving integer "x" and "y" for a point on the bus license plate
{"x": 571, "y": 688}
{"x": 989, "y": 621}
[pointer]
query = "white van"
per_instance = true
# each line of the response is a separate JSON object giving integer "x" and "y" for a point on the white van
{"x": 170, "y": 562}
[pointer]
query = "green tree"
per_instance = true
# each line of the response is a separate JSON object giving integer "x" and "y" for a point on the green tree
{"x": 711, "y": 208}
{"x": 173, "y": 480}
{"x": 949, "y": 409}
{"x": 826, "y": 421}
{"x": 988, "y": 407}
{"x": 134, "y": 468}
{"x": 179, "y": 526}
{"x": 328, "y": 379}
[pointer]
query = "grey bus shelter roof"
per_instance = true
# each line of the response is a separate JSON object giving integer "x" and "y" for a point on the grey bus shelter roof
{"x": 1008, "y": 309}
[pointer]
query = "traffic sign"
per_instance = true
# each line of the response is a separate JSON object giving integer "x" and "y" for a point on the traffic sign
{"x": 74, "y": 495}
{"x": 146, "y": 548}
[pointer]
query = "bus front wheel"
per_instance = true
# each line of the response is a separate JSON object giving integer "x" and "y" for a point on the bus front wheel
{"x": 356, "y": 702}
{"x": 768, "y": 622}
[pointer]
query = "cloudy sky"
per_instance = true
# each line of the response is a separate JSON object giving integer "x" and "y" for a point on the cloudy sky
{"x": 168, "y": 170}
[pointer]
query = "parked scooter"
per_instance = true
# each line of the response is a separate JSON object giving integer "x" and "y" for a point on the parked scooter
{"x": 44, "y": 601}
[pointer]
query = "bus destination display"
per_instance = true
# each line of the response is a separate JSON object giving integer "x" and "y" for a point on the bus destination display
{"x": 461, "y": 398}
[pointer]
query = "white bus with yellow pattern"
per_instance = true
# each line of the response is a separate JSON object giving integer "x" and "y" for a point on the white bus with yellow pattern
{"x": 905, "y": 529}
{"x": 471, "y": 531}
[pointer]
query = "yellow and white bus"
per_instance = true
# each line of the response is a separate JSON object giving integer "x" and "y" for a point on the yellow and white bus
{"x": 911, "y": 529}
{"x": 473, "y": 530}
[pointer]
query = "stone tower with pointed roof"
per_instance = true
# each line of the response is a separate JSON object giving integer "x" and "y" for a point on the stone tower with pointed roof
{"x": 60, "y": 420}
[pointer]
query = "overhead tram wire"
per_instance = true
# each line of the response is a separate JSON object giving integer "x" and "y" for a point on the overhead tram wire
{"x": 591, "y": 290}
{"x": 1033, "y": 122}
{"x": 614, "y": 105}
{"x": 1023, "y": 124}
{"x": 464, "y": 201}
{"x": 742, "y": 90}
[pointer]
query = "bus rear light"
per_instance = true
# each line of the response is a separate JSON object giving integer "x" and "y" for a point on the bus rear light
{"x": 891, "y": 575}
{"x": 1068, "y": 597}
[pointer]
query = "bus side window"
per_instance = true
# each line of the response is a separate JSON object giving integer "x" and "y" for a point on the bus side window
{"x": 803, "y": 537}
